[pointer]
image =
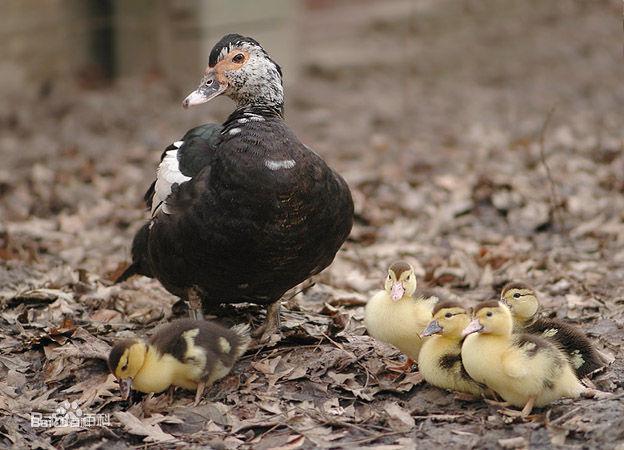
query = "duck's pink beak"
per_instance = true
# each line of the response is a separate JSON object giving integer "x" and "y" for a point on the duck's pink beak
{"x": 125, "y": 384}
{"x": 433, "y": 328}
{"x": 473, "y": 327}
{"x": 397, "y": 291}
{"x": 208, "y": 89}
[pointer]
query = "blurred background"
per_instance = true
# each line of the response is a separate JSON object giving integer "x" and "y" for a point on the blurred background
{"x": 432, "y": 110}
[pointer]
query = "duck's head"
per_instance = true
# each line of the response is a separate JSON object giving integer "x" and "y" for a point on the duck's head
{"x": 449, "y": 319}
{"x": 239, "y": 67}
{"x": 492, "y": 317}
{"x": 521, "y": 300}
{"x": 401, "y": 281}
{"x": 126, "y": 360}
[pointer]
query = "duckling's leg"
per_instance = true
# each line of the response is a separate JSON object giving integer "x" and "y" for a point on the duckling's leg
{"x": 195, "y": 304}
{"x": 528, "y": 407}
{"x": 496, "y": 402}
{"x": 170, "y": 393}
{"x": 200, "y": 393}
{"x": 271, "y": 323}
{"x": 405, "y": 367}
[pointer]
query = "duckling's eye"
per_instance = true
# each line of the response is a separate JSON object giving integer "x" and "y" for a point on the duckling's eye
{"x": 489, "y": 314}
{"x": 125, "y": 367}
{"x": 516, "y": 295}
{"x": 448, "y": 315}
{"x": 239, "y": 58}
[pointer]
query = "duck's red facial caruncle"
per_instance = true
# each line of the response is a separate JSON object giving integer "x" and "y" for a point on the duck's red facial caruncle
{"x": 215, "y": 80}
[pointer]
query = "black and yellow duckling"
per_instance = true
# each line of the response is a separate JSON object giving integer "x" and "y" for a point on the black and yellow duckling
{"x": 394, "y": 316}
{"x": 439, "y": 361}
{"x": 191, "y": 354}
{"x": 524, "y": 305}
{"x": 526, "y": 370}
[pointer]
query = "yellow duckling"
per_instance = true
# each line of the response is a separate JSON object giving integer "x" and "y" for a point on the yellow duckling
{"x": 439, "y": 361}
{"x": 523, "y": 303}
{"x": 394, "y": 316}
{"x": 524, "y": 369}
{"x": 188, "y": 353}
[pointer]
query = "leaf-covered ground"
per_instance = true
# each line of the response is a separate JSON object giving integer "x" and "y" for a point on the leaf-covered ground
{"x": 483, "y": 142}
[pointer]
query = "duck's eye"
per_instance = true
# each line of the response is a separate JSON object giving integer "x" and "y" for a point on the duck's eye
{"x": 448, "y": 315}
{"x": 209, "y": 82}
{"x": 239, "y": 58}
{"x": 489, "y": 314}
{"x": 516, "y": 295}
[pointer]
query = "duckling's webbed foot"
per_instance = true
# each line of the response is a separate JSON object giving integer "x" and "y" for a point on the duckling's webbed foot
{"x": 195, "y": 305}
{"x": 271, "y": 323}
{"x": 405, "y": 367}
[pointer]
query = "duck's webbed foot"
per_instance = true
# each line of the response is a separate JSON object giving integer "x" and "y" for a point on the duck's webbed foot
{"x": 405, "y": 367}
{"x": 271, "y": 323}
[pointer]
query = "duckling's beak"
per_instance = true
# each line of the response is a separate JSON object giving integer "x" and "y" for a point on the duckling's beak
{"x": 473, "y": 327}
{"x": 125, "y": 384}
{"x": 208, "y": 89}
{"x": 433, "y": 328}
{"x": 397, "y": 291}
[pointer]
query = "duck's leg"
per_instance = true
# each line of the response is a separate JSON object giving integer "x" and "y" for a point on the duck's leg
{"x": 405, "y": 367}
{"x": 271, "y": 323}
{"x": 200, "y": 392}
{"x": 528, "y": 407}
{"x": 195, "y": 305}
{"x": 496, "y": 402}
{"x": 170, "y": 393}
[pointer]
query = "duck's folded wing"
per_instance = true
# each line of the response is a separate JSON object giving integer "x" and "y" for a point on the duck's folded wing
{"x": 180, "y": 162}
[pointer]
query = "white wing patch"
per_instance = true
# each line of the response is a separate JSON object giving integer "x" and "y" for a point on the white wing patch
{"x": 550, "y": 332}
{"x": 276, "y": 165}
{"x": 168, "y": 174}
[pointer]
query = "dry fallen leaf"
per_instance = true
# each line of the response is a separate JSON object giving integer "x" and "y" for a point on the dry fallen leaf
{"x": 151, "y": 431}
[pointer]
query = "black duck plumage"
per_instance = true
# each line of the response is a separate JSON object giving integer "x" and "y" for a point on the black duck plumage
{"x": 240, "y": 231}
{"x": 140, "y": 262}
{"x": 170, "y": 339}
{"x": 260, "y": 213}
{"x": 582, "y": 354}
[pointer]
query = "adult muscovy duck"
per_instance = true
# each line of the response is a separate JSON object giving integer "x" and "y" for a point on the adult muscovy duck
{"x": 243, "y": 211}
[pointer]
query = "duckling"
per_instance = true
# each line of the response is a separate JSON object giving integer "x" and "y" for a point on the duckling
{"x": 524, "y": 369}
{"x": 439, "y": 360}
{"x": 523, "y": 303}
{"x": 188, "y": 353}
{"x": 394, "y": 316}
